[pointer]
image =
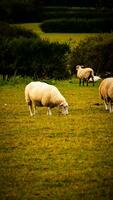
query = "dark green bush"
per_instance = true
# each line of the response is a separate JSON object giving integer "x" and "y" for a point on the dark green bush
{"x": 75, "y": 12}
{"x": 16, "y": 11}
{"x": 33, "y": 57}
{"x": 78, "y": 25}
{"x": 96, "y": 52}
{"x": 26, "y": 54}
{"x": 9, "y": 31}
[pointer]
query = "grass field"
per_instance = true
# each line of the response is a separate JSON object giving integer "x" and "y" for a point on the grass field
{"x": 70, "y": 38}
{"x": 56, "y": 157}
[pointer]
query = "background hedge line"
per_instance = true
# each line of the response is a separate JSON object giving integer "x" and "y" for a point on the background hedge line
{"x": 16, "y": 11}
{"x": 77, "y": 20}
{"x": 78, "y": 25}
{"x": 75, "y": 12}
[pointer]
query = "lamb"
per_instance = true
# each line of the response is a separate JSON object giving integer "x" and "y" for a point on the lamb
{"x": 106, "y": 93}
{"x": 84, "y": 74}
{"x": 42, "y": 94}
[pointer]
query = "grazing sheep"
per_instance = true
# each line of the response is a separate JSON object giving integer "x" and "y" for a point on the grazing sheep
{"x": 84, "y": 74}
{"x": 106, "y": 93}
{"x": 43, "y": 94}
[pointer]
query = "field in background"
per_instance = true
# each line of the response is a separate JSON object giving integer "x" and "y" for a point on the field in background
{"x": 56, "y": 157}
{"x": 71, "y": 38}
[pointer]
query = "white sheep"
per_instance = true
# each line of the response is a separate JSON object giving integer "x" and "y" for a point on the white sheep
{"x": 84, "y": 74}
{"x": 43, "y": 94}
{"x": 96, "y": 78}
{"x": 106, "y": 93}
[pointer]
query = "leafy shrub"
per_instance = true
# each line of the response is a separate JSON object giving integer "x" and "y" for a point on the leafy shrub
{"x": 9, "y": 31}
{"x": 33, "y": 57}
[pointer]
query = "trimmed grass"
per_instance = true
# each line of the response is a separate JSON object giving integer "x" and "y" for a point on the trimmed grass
{"x": 71, "y": 38}
{"x": 56, "y": 157}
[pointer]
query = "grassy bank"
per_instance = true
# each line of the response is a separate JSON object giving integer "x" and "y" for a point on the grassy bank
{"x": 56, "y": 157}
{"x": 71, "y": 38}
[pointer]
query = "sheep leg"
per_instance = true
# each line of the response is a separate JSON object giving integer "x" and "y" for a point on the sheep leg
{"x": 93, "y": 80}
{"x": 110, "y": 107}
{"x": 87, "y": 82}
{"x": 34, "y": 109}
{"x": 30, "y": 109}
{"x": 49, "y": 111}
{"x": 106, "y": 104}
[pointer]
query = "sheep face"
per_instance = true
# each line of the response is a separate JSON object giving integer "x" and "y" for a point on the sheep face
{"x": 64, "y": 108}
{"x": 78, "y": 67}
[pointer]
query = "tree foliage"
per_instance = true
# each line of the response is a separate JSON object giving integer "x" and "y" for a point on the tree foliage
{"x": 32, "y": 10}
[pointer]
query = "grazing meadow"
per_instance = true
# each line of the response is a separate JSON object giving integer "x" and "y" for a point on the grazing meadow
{"x": 56, "y": 157}
{"x": 71, "y": 38}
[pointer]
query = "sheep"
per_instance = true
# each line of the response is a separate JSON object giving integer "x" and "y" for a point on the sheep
{"x": 96, "y": 78}
{"x": 106, "y": 93}
{"x": 84, "y": 74}
{"x": 42, "y": 94}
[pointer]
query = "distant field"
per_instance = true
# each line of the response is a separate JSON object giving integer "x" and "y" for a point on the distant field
{"x": 71, "y": 38}
{"x": 56, "y": 157}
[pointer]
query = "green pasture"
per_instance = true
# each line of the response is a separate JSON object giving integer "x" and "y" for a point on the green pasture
{"x": 70, "y": 38}
{"x": 56, "y": 157}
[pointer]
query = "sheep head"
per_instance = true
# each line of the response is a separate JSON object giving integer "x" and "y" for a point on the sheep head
{"x": 79, "y": 67}
{"x": 64, "y": 108}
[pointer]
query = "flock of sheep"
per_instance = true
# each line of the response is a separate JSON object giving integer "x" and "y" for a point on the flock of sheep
{"x": 43, "y": 94}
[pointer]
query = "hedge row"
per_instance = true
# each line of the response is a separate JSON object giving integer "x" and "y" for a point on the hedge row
{"x": 37, "y": 11}
{"x": 9, "y": 31}
{"x": 32, "y": 57}
{"x": 74, "y": 12}
{"x": 78, "y": 25}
